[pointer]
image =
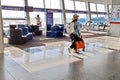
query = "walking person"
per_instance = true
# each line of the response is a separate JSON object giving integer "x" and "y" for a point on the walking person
{"x": 75, "y": 33}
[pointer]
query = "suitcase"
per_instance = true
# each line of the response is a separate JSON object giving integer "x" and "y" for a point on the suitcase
{"x": 80, "y": 44}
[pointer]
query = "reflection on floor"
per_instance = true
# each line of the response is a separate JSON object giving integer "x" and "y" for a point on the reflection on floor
{"x": 100, "y": 61}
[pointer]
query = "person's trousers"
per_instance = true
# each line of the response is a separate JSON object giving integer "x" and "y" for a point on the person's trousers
{"x": 73, "y": 37}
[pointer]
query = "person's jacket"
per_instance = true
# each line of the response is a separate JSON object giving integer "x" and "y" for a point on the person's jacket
{"x": 77, "y": 28}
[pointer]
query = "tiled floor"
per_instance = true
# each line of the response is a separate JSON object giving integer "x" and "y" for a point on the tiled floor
{"x": 100, "y": 61}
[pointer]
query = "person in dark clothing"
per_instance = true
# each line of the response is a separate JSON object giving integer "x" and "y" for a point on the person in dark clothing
{"x": 105, "y": 25}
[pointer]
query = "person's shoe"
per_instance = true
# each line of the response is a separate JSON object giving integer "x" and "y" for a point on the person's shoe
{"x": 69, "y": 49}
{"x": 76, "y": 52}
{"x": 83, "y": 49}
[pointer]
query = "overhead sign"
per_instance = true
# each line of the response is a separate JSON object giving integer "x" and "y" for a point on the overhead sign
{"x": 13, "y": 8}
{"x": 38, "y": 9}
{"x": 53, "y": 10}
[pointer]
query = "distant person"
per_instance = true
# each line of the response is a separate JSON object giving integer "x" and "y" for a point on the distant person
{"x": 75, "y": 33}
{"x": 38, "y": 22}
{"x": 104, "y": 26}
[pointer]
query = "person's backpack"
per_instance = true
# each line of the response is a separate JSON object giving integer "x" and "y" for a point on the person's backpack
{"x": 70, "y": 28}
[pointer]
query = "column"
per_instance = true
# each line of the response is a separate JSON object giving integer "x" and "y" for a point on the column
{"x": 108, "y": 12}
{"x": 45, "y": 14}
{"x": 63, "y": 12}
{"x": 88, "y": 9}
{"x": 74, "y": 5}
{"x": 97, "y": 12}
{"x": 27, "y": 13}
{"x": 1, "y": 32}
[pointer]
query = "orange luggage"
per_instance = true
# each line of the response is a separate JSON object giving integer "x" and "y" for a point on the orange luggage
{"x": 80, "y": 44}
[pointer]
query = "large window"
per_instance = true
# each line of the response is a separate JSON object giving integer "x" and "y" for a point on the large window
{"x": 57, "y": 18}
{"x": 54, "y": 4}
{"x": 69, "y": 5}
{"x": 82, "y": 18}
{"x": 10, "y": 17}
{"x": 101, "y": 18}
{"x": 100, "y": 8}
{"x": 12, "y": 14}
{"x": 80, "y": 6}
{"x": 36, "y": 3}
{"x": 13, "y": 2}
{"x": 69, "y": 17}
{"x": 110, "y": 8}
{"x": 94, "y": 18}
{"x": 42, "y": 18}
{"x": 93, "y": 7}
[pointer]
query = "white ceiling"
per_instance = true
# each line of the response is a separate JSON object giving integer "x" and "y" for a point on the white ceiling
{"x": 97, "y": 1}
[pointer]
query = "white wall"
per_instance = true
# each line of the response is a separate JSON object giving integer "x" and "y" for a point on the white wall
{"x": 116, "y": 2}
{"x": 114, "y": 30}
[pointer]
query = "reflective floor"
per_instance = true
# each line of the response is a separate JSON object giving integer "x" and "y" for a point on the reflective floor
{"x": 100, "y": 61}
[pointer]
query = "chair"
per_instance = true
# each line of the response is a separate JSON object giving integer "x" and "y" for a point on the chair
{"x": 88, "y": 26}
{"x": 15, "y": 36}
{"x": 25, "y": 31}
{"x": 56, "y": 31}
{"x": 36, "y": 30}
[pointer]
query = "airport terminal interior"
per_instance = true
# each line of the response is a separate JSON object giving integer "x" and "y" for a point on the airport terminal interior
{"x": 34, "y": 41}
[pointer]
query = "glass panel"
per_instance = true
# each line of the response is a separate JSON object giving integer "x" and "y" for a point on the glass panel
{"x": 54, "y": 4}
{"x": 12, "y": 14}
{"x": 57, "y": 18}
{"x": 100, "y": 7}
{"x": 6, "y": 23}
{"x": 36, "y": 3}
{"x": 69, "y": 17}
{"x": 69, "y": 5}
{"x": 79, "y": 4}
{"x": 92, "y": 7}
{"x": 110, "y": 7}
{"x": 101, "y": 19}
{"x": 82, "y": 18}
{"x": 13, "y": 2}
{"x": 13, "y": 18}
{"x": 42, "y": 17}
{"x": 94, "y": 18}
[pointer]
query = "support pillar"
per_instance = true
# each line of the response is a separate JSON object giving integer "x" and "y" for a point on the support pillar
{"x": 88, "y": 9}
{"x": 1, "y": 32}
{"x": 63, "y": 12}
{"x": 27, "y": 13}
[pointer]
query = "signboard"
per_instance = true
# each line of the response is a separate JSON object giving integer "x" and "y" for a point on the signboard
{"x": 13, "y": 8}
{"x": 53, "y": 10}
{"x": 49, "y": 18}
{"x": 38, "y": 9}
